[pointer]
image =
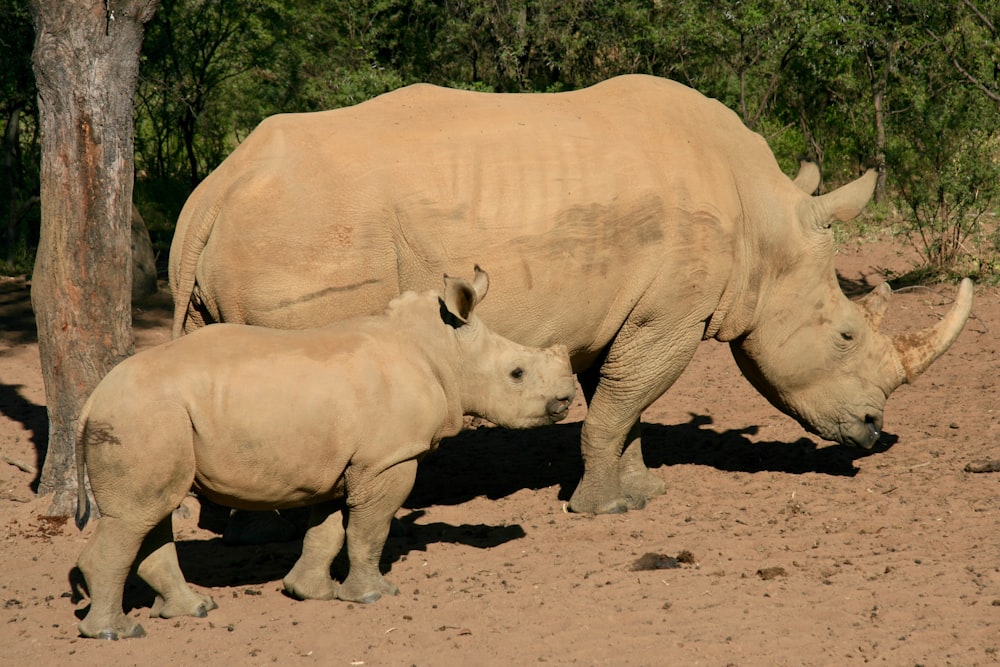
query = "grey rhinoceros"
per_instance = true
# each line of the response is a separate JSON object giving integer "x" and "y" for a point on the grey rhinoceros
{"x": 256, "y": 418}
{"x": 628, "y": 221}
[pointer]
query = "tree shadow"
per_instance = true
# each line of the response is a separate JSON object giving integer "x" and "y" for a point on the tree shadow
{"x": 17, "y": 319}
{"x": 854, "y": 288}
{"x": 17, "y": 327}
{"x": 33, "y": 417}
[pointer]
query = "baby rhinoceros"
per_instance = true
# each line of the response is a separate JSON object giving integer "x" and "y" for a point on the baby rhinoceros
{"x": 257, "y": 418}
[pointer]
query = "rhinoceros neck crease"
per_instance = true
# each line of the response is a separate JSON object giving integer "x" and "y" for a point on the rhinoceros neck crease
{"x": 740, "y": 300}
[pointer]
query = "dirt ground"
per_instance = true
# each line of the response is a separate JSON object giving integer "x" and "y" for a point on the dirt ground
{"x": 770, "y": 547}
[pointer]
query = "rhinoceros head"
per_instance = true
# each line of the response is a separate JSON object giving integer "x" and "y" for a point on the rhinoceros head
{"x": 507, "y": 383}
{"x": 820, "y": 357}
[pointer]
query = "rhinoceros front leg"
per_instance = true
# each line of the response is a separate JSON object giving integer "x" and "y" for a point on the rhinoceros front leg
{"x": 640, "y": 366}
{"x": 309, "y": 578}
{"x": 372, "y": 502}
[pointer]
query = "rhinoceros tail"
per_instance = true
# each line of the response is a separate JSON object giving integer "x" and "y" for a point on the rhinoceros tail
{"x": 194, "y": 226}
{"x": 82, "y": 501}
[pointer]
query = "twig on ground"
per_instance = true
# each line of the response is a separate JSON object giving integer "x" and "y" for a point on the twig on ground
{"x": 24, "y": 467}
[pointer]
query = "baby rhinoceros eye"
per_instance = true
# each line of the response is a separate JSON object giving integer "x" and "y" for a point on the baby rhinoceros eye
{"x": 517, "y": 373}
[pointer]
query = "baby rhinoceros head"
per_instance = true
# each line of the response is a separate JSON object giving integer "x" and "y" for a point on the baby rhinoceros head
{"x": 509, "y": 384}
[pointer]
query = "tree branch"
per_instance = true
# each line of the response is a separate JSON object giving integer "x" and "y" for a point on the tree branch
{"x": 990, "y": 93}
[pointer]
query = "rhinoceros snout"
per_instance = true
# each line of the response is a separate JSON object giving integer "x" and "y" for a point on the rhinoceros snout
{"x": 874, "y": 424}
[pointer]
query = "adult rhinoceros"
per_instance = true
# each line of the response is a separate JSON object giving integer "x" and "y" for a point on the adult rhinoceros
{"x": 628, "y": 221}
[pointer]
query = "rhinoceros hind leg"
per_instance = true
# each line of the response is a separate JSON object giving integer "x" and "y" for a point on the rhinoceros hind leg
{"x": 105, "y": 564}
{"x": 373, "y": 501}
{"x": 636, "y": 484}
{"x": 639, "y": 483}
{"x": 159, "y": 568}
{"x": 309, "y": 578}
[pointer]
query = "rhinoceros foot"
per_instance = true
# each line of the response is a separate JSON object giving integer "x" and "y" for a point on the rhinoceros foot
{"x": 310, "y": 586}
{"x": 641, "y": 486}
{"x": 598, "y": 497}
{"x": 195, "y": 604}
{"x": 125, "y": 629}
{"x": 582, "y": 503}
{"x": 366, "y": 591}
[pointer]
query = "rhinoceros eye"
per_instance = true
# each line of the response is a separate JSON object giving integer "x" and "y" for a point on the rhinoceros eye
{"x": 517, "y": 373}
{"x": 847, "y": 335}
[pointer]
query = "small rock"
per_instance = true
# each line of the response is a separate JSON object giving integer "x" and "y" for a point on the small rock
{"x": 769, "y": 573}
{"x": 651, "y": 561}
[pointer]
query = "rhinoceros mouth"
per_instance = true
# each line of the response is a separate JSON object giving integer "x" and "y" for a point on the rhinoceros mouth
{"x": 557, "y": 409}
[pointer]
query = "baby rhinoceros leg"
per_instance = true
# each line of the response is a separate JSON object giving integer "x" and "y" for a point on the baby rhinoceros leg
{"x": 105, "y": 564}
{"x": 139, "y": 473}
{"x": 159, "y": 568}
{"x": 309, "y": 578}
{"x": 373, "y": 501}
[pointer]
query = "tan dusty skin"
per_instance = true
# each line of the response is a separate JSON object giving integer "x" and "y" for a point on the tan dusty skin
{"x": 257, "y": 418}
{"x": 628, "y": 221}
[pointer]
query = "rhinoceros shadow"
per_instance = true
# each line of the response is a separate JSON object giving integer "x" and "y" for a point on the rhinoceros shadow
{"x": 495, "y": 463}
{"x": 245, "y": 569}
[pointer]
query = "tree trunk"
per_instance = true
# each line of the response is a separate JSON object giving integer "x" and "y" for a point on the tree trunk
{"x": 879, "y": 69}
{"x": 86, "y": 62}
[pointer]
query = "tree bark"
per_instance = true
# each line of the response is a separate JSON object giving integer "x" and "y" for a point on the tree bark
{"x": 86, "y": 62}
{"x": 879, "y": 69}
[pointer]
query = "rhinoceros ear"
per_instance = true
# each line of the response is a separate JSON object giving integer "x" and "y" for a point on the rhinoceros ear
{"x": 461, "y": 296}
{"x": 807, "y": 179}
{"x": 480, "y": 283}
{"x": 844, "y": 203}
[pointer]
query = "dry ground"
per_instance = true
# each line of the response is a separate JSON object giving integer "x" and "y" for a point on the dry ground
{"x": 800, "y": 552}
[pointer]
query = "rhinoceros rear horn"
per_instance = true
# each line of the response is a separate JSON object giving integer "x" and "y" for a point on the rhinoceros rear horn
{"x": 918, "y": 350}
{"x": 461, "y": 296}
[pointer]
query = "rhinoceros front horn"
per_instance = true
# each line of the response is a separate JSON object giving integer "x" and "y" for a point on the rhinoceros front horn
{"x": 918, "y": 350}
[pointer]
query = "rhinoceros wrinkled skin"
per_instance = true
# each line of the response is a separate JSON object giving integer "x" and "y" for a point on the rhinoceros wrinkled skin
{"x": 257, "y": 418}
{"x": 629, "y": 221}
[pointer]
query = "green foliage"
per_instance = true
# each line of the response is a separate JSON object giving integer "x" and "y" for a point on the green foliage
{"x": 20, "y": 153}
{"x": 946, "y": 151}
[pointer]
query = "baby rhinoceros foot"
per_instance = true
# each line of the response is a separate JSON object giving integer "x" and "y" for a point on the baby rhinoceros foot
{"x": 122, "y": 628}
{"x": 192, "y": 604}
{"x": 366, "y": 590}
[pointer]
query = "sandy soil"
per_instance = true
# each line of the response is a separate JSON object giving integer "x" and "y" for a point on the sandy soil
{"x": 791, "y": 551}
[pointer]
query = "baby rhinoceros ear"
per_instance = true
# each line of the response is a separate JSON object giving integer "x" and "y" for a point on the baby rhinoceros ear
{"x": 461, "y": 297}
